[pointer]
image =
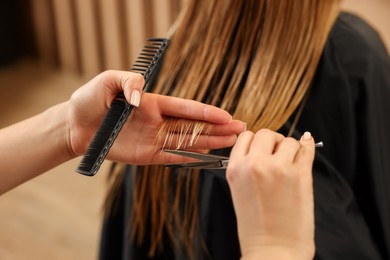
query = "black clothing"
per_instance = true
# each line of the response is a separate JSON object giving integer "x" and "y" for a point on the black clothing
{"x": 349, "y": 110}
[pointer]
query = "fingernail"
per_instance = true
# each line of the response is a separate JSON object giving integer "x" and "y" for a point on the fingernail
{"x": 135, "y": 97}
{"x": 245, "y": 126}
{"x": 306, "y": 136}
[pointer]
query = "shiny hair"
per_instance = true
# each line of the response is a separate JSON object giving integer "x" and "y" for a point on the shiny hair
{"x": 254, "y": 58}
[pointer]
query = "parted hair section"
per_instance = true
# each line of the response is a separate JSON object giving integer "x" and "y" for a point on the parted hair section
{"x": 180, "y": 133}
{"x": 254, "y": 58}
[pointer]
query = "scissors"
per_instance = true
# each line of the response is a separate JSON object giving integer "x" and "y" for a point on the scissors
{"x": 206, "y": 161}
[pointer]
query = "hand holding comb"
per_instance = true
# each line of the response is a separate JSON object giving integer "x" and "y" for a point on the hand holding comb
{"x": 120, "y": 109}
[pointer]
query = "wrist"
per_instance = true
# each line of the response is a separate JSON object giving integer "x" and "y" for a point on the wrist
{"x": 276, "y": 248}
{"x": 33, "y": 146}
{"x": 59, "y": 130}
{"x": 278, "y": 252}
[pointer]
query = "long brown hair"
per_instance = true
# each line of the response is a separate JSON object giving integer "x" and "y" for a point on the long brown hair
{"x": 254, "y": 58}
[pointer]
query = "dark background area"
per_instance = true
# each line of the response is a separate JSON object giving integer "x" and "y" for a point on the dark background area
{"x": 16, "y": 31}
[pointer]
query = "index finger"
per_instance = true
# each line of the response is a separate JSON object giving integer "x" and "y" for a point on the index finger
{"x": 306, "y": 153}
{"x": 194, "y": 110}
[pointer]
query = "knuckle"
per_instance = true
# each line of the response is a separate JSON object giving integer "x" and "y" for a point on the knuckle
{"x": 253, "y": 165}
{"x": 184, "y": 109}
{"x": 233, "y": 166}
{"x": 255, "y": 169}
{"x": 268, "y": 133}
{"x": 107, "y": 74}
{"x": 264, "y": 131}
{"x": 232, "y": 171}
{"x": 280, "y": 171}
{"x": 206, "y": 111}
{"x": 138, "y": 78}
{"x": 291, "y": 141}
{"x": 248, "y": 133}
{"x": 131, "y": 80}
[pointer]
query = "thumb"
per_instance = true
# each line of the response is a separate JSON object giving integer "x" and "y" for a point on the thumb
{"x": 132, "y": 84}
{"x": 129, "y": 83}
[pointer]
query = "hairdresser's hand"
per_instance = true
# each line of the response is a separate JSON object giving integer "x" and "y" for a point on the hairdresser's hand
{"x": 270, "y": 178}
{"x": 136, "y": 142}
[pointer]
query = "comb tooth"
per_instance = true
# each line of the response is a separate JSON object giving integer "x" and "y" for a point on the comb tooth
{"x": 140, "y": 70}
{"x": 152, "y": 41}
{"x": 150, "y": 63}
{"x": 157, "y": 39}
{"x": 148, "y": 54}
{"x": 143, "y": 72}
{"x": 155, "y": 44}
{"x": 141, "y": 63}
{"x": 152, "y": 47}
{"x": 151, "y": 52}
{"x": 148, "y": 51}
{"x": 150, "y": 60}
{"x": 141, "y": 66}
{"x": 147, "y": 60}
{"x": 143, "y": 59}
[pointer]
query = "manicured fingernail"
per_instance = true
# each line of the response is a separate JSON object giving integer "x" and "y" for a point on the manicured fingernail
{"x": 306, "y": 136}
{"x": 135, "y": 97}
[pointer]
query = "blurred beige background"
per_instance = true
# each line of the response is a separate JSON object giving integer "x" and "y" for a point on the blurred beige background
{"x": 62, "y": 44}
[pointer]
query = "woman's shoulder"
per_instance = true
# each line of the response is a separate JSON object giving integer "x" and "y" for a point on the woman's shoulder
{"x": 355, "y": 41}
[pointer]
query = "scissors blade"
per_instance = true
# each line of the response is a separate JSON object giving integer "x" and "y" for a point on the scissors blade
{"x": 207, "y": 161}
{"x": 200, "y": 156}
{"x": 200, "y": 165}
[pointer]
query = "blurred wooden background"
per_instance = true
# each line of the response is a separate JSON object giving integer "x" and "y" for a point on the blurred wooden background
{"x": 48, "y": 49}
{"x": 88, "y": 36}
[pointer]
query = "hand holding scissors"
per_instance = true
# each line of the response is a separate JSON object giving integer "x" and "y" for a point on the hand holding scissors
{"x": 270, "y": 178}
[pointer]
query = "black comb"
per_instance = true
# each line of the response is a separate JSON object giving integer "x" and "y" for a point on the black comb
{"x": 120, "y": 110}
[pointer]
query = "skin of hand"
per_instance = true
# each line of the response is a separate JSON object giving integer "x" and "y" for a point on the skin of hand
{"x": 270, "y": 178}
{"x": 62, "y": 132}
{"x": 136, "y": 142}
